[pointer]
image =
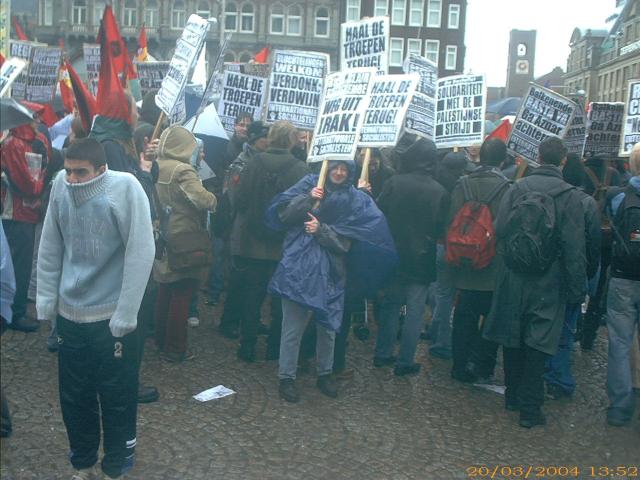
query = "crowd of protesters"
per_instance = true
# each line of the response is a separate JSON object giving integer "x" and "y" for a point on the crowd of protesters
{"x": 124, "y": 234}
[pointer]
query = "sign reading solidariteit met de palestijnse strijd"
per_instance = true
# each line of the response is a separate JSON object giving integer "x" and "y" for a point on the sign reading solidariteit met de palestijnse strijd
{"x": 386, "y": 109}
{"x": 341, "y": 115}
{"x": 295, "y": 87}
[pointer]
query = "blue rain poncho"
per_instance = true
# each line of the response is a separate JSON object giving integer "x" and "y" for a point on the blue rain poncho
{"x": 313, "y": 276}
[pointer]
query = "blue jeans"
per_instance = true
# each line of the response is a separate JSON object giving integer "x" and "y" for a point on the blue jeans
{"x": 216, "y": 273}
{"x": 558, "y": 368}
{"x": 623, "y": 317}
{"x": 414, "y": 296}
{"x": 440, "y": 329}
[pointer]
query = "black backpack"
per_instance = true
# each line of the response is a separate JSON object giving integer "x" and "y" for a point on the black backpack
{"x": 531, "y": 240}
{"x": 626, "y": 238}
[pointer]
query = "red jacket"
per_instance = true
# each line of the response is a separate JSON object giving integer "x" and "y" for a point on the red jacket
{"x": 21, "y": 193}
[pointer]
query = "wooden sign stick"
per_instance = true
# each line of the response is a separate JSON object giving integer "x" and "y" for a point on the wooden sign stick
{"x": 322, "y": 178}
{"x": 364, "y": 174}
{"x": 156, "y": 130}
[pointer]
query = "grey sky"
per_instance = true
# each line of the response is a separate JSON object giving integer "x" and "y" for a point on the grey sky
{"x": 489, "y": 23}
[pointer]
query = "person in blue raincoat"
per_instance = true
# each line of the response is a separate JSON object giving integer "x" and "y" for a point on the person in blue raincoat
{"x": 328, "y": 230}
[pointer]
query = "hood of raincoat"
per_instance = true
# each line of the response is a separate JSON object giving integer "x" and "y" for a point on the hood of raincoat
{"x": 176, "y": 143}
{"x": 421, "y": 157}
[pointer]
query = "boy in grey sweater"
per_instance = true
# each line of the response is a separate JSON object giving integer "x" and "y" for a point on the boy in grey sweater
{"x": 95, "y": 257}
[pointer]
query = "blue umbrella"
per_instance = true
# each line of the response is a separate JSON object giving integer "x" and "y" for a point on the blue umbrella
{"x": 505, "y": 106}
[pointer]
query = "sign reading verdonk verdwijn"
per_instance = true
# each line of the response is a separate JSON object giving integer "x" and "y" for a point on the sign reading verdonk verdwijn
{"x": 460, "y": 109}
{"x": 386, "y": 109}
{"x": 543, "y": 113}
{"x": 341, "y": 115}
{"x": 295, "y": 87}
{"x": 365, "y": 43}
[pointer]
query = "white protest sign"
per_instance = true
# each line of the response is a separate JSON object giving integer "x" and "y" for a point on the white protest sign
{"x": 576, "y": 133}
{"x": 241, "y": 93}
{"x": 460, "y": 109}
{"x": 91, "y": 53}
{"x": 10, "y": 70}
{"x": 184, "y": 59}
{"x": 386, "y": 109}
{"x": 341, "y": 115}
{"x": 295, "y": 87}
{"x": 421, "y": 115}
{"x": 213, "y": 87}
{"x": 24, "y": 50}
{"x": 43, "y": 74}
{"x": 604, "y": 128}
{"x": 365, "y": 43}
{"x": 151, "y": 75}
{"x": 631, "y": 124}
{"x": 543, "y": 113}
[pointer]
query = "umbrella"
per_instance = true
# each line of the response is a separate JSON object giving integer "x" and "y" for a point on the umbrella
{"x": 506, "y": 106}
{"x": 12, "y": 114}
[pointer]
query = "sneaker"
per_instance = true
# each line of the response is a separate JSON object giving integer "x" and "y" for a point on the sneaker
{"x": 92, "y": 473}
{"x": 193, "y": 321}
{"x": 530, "y": 422}
{"x": 402, "y": 370}
{"x": 288, "y": 390}
{"x": 327, "y": 385}
{"x": 147, "y": 394}
{"x": 379, "y": 362}
{"x": 25, "y": 324}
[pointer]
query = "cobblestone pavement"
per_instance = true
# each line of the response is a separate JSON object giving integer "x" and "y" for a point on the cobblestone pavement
{"x": 381, "y": 427}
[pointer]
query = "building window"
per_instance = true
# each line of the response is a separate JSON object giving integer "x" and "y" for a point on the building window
{"x": 130, "y": 14}
{"x": 432, "y": 50}
{"x": 246, "y": 18}
{"x": 353, "y": 10}
{"x": 231, "y": 17}
{"x": 454, "y": 16}
{"x": 452, "y": 57}
{"x": 414, "y": 45}
{"x": 276, "y": 23}
{"x": 381, "y": 8}
{"x": 396, "y": 52}
{"x": 151, "y": 14}
{"x": 398, "y": 12}
{"x": 229, "y": 57}
{"x": 46, "y": 12}
{"x": 79, "y": 12}
{"x": 178, "y": 14}
{"x": 322, "y": 22}
{"x": 434, "y": 13}
{"x": 294, "y": 21}
{"x": 98, "y": 11}
{"x": 204, "y": 9}
{"x": 416, "y": 13}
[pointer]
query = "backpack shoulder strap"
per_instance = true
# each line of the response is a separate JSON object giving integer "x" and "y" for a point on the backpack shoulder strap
{"x": 559, "y": 190}
{"x": 466, "y": 190}
{"x": 496, "y": 191}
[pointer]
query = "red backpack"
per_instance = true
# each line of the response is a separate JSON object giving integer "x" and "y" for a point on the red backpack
{"x": 471, "y": 240}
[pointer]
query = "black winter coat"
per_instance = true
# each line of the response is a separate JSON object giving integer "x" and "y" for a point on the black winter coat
{"x": 529, "y": 309}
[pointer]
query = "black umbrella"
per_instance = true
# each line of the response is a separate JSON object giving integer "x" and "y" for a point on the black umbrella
{"x": 12, "y": 114}
{"x": 505, "y": 106}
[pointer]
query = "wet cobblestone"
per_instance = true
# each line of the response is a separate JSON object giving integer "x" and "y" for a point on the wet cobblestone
{"x": 381, "y": 426}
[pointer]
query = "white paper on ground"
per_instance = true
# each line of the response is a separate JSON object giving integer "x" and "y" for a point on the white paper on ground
{"x": 499, "y": 389}
{"x": 213, "y": 393}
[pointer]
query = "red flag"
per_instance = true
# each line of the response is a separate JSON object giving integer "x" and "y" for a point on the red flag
{"x": 142, "y": 45}
{"x": 44, "y": 111}
{"x": 85, "y": 102}
{"x": 1, "y": 59}
{"x": 262, "y": 56}
{"x": 18, "y": 29}
{"x": 66, "y": 92}
{"x": 112, "y": 101}
{"x": 502, "y": 131}
{"x": 118, "y": 49}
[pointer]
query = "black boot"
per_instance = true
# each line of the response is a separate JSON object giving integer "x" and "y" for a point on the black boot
{"x": 147, "y": 394}
{"x": 327, "y": 385}
{"x": 288, "y": 390}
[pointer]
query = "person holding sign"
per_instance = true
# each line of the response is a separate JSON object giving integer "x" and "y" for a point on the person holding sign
{"x": 328, "y": 230}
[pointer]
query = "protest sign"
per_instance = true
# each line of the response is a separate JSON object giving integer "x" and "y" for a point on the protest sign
{"x": 151, "y": 74}
{"x": 213, "y": 87}
{"x": 240, "y": 93}
{"x": 256, "y": 69}
{"x": 604, "y": 128}
{"x": 631, "y": 124}
{"x": 43, "y": 74}
{"x": 184, "y": 59}
{"x": 460, "y": 109}
{"x": 295, "y": 87}
{"x": 420, "y": 118}
{"x": 5, "y": 28}
{"x": 575, "y": 136}
{"x": 543, "y": 113}
{"x": 386, "y": 109}
{"x": 341, "y": 115}
{"x": 91, "y": 53}
{"x": 365, "y": 43}
{"x": 24, "y": 50}
{"x": 10, "y": 70}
